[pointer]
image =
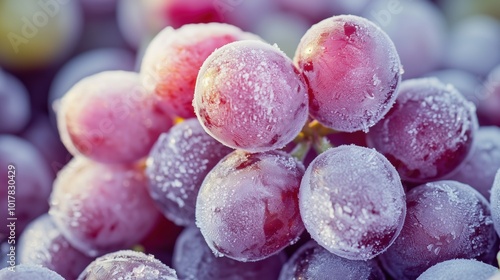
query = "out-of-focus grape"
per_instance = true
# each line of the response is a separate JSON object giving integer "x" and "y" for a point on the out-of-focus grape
{"x": 14, "y": 104}
{"x": 102, "y": 208}
{"x": 132, "y": 22}
{"x": 489, "y": 106}
{"x": 352, "y": 202}
{"x": 43, "y": 244}
{"x": 352, "y": 71}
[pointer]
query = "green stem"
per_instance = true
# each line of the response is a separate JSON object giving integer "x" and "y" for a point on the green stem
{"x": 301, "y": 149}
{"x": 321, "y": 144}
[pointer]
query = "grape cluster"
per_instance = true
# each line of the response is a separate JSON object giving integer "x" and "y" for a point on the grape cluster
{"x": 226, "y": 158}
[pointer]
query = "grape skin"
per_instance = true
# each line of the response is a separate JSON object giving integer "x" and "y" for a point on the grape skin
{"x": 247, "y": 208}
{"x": 459, "y": 269}
{"x": 352, "y": 202}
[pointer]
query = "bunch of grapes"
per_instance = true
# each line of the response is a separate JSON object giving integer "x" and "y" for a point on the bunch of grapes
{"x": 223, "y": 134}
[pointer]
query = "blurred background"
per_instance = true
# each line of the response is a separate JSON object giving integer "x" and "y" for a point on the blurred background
{"x": 46, "y": 46}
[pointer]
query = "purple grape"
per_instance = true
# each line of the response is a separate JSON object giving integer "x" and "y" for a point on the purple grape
{"x": 352, "y": 71}
{"x": 31, "y": 177}
{"x": 28, "y": 272}
{"x": 495, "y": 201}
{"x": 479, "y": 169}
{"x": 127, "y": 264}
{"x": 312, "y": 261}
{"x": 490, "y": 102}
{"x": 247, "y": 208}
{"x": 41, "y": 243}
{"x": 194, "y": 260}
{"x": 466, "y": 83}
{"x": 444, "y": 220}
{"x": 352, "y": 202}
{"x": 15, "y": 104}
{"x": 177, "y": 165}
{"x": 459, "y": 269}
{"x": 102, "y": 208}
{"x": 110, "y": 118}
{"x": 429, "y": 131}
{"x": 249, "y": 96}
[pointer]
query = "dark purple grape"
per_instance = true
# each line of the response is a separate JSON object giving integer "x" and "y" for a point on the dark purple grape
{"x": 352, "y": 202}
{"x": 312, "y": 261}
{"x": 429, "y": 131}
{"x": 177, "y": 165}
{"x": 127, "y": 265}
{"x": 247, "y": 208}
{"x": 194, "y": 260}
{"x": 445, "y": 220}
{"x": 41, "y": 243}
{"x": 459, "y": 269}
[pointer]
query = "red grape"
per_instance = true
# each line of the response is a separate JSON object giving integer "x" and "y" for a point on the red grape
{"x": 445, "y": 220}
{"x": 249, "y": 96}
{"x": 174, "y": 57}
{"x": 247, "y": 208}
{"x": 101, "y": 208}
{"x": 429, "y": 131}
{"x": 352, "y": 70}
{"x": 352, "y": 202}
{"x": 108, "y": 117}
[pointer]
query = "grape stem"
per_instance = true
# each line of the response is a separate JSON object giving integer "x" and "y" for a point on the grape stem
{"x": 301, "y": 149}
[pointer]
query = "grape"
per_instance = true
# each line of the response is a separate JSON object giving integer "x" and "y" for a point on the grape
{"x": 249, "y": 96}
{"x": 479, "y": 169}
{"x": 132, "y": 21}
{"x": 173, "y": 59}
{"x": 84, "y": 65}
{"x": 488, "y": 107}
{"x": 352, "y": 70}
{"x": 247, "y": 208}
{"x": 352, "y": 202}
{"x": 312, "y": 261}
{"x": 43, "y": 244}
{"x": 459, "y": 269}
{"x": 247, "y": 14}
{"x": 429, "y": 131}
{"x": 418, "y": 30}
{"x": 108, "y": 117}
{"x": 15, "y": 106}
{"x": 466, "y": 83}
{"x": 194, "y": 260}
{"x": 474, "y": 44}
{"x": 177, "y": 165}
{"x": 101, "y": 208}
{"x": 29, "y": 272}
{"x": 495, "y": 201}
{"x": 31, "y": 178}
{"x": 444, "y": 220}
{"x": 127, "y": 264}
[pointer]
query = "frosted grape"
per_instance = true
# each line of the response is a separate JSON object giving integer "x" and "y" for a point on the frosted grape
{"x": 42, "y": 243}
{"x": 495, "y": 201}
{"x": 177, "y": 165}
{"x": 247, "y": 208}
{"x": 127, "y": 264}
{"x": 174, "y": 57}
{"x": 352, "y": 202}
{"x": 444, "y": 220}
{"x": 29, "y": 272}
{"x": 429, "y": 131}
{"x": 249, "y": 96}
{"x": 459, "y": 269}
{"x": 352, "y": 70}
{"x": 102, "y": 208}
{"x": 194, "y": 260}
{"x": 312, "y": 261}
{"x": 108, "y": 117}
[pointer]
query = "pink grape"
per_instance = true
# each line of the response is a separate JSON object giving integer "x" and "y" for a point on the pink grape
{"x": 247, "y": 208}
{"x": 445, "y": 220}
{"x": 41, "y": 243}
{"x": 429, "y": 131}
{"x": 127, "y": 264}
{"x": 108, "y": 117}
{"x": 177, "y": 165}
{"x": 193, "y": 260}
{"x": 174, "y": 57}
{"x": 249, "y": 96}
{"x": 352, "y": 202}
{"x": 102, "y": 208}
{"x": 312, "y": 261}
{"x": 479, "y": 169}
{"x": 352, "y": 70}
{"x": 459, "y": 269}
